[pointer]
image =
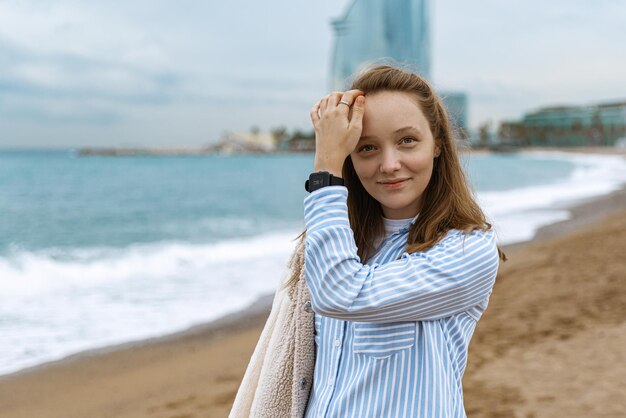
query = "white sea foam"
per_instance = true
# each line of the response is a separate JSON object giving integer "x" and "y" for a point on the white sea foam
{"x": 518, "y": 213}
{"x": 57, "y": 302}
{"x": 53, "y": 307}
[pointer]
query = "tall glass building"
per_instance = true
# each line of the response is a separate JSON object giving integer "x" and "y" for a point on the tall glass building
{"x": 372, "y": 30}
{"x": 375, "y": 30}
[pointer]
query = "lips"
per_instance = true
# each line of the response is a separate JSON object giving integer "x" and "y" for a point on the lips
{"x": 394, "y": 184}
{"x": 394, "y": 181}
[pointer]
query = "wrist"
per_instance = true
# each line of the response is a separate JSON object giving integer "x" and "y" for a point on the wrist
{"x": 333, "y": 168}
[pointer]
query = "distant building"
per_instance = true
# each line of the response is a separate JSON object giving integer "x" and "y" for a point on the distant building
{"x": 300, "y": 142}
{"x": 600, "y": 124}
{"x": 374, "y": 30}
{"x": 244, "y": 142}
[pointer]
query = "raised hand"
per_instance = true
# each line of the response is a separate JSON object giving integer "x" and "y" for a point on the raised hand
{"x": 338, "y": 122}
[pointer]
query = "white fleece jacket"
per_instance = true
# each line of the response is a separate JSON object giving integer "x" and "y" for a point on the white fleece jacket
{"x": 279, "y": 377}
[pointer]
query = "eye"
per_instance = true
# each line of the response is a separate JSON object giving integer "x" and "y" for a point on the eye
{"x": 366, "y": 148}
{"x": 408, "y": 140}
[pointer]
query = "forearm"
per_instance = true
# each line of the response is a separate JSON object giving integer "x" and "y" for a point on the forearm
{"x": 452, "y": 276}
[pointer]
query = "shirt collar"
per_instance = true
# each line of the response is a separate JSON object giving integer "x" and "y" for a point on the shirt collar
{"x": 406, "y": 228}
{"x": 405, "y": 224}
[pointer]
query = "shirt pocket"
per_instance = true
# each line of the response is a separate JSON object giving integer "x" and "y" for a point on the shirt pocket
{"x": 383, "y": 340}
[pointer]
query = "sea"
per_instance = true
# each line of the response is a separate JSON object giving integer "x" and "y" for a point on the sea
{"x": 97, "y": 251}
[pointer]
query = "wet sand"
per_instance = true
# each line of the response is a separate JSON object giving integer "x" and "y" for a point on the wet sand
{"x": 551, "y": 343}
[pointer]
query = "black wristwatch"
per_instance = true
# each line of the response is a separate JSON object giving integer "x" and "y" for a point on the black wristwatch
{"x": 321, "y": 179}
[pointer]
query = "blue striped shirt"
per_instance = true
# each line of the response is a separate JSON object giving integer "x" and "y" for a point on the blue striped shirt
{"x": 391, "y": 335}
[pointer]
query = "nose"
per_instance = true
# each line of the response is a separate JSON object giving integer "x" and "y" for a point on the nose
{"x": 390, "y": 162}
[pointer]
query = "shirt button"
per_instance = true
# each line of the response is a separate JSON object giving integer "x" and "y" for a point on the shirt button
{"x": 337, "y": 343}
{"x": 307, "y": 307}
{"x": 331, "y": 381}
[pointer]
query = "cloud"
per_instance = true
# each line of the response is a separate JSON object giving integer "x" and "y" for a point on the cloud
{"x": 66, "y": 88}
{"x": 57, "y": 68}
{"x": 515, "y": 57}
{"x": 70, "y": 76}
{"x": 122, "y": 63}
{"x": 158, "y": 71}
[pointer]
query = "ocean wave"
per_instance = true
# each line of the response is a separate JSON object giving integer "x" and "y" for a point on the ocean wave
{"x": 518, "y": 213}
{"x": 31, "y": 273}
{"x": 55, "y": 303}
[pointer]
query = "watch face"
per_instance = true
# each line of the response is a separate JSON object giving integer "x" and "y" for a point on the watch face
{"x": 321, "y": 179}
{"x": 318, "y": 180}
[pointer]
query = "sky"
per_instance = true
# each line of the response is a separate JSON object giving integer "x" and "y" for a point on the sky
{"x": 180, "y": 74}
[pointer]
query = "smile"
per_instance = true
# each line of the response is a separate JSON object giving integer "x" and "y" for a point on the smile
{"x": 395, "y": 184}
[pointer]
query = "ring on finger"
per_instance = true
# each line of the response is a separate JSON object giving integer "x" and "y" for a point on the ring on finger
{"x": 344, "y": 102}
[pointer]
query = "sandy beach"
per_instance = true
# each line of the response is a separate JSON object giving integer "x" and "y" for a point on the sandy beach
{"x": 549, "y": 345}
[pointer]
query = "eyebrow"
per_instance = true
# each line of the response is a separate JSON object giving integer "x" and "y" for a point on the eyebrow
{"x": 403, "y": 129}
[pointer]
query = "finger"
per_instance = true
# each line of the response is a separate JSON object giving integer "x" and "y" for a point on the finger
{"x": 315, "y": 115}
{"x": 334, "y": 97}
{"x": 351, "y": 95}
{"x": 348, "y": 99}
{"x": 356, "y": 122}
{"x": 324, "y": 104}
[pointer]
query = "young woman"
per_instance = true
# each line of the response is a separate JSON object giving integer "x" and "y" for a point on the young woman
{"x": 399, "y": 258}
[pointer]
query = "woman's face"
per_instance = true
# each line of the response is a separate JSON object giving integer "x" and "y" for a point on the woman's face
{"x": 394, "y": 156}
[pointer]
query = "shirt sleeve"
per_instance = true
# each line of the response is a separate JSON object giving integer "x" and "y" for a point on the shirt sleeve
{"x": 453, "y": 276}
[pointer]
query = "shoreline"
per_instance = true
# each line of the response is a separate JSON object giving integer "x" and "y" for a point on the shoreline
{"x": 581, "y": 212}
{"x": 252, "y": 316}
